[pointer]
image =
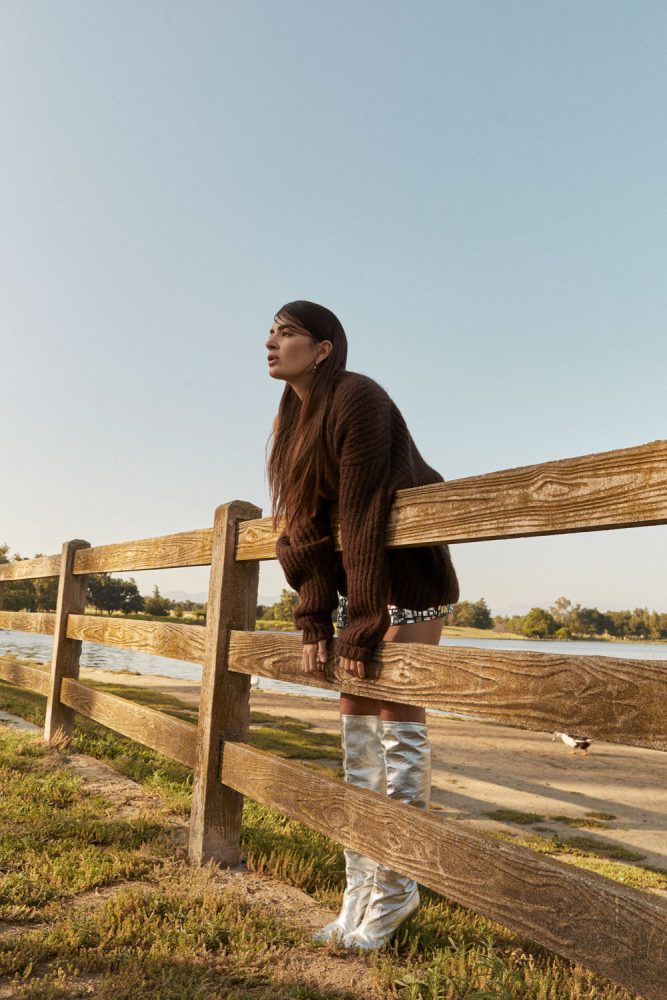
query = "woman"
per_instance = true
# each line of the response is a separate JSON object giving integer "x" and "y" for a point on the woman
{"x": 338, "y": 439}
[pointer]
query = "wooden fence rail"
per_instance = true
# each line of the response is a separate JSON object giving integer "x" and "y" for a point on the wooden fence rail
{"x": 617, "y": 931}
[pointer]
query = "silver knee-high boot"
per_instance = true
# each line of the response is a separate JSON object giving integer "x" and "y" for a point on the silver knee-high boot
{"x": 363, "y": 765}
{"x": 395, "y": 897}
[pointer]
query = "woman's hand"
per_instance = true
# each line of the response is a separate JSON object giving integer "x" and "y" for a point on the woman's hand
{"x": 354, "y": 667}
{"x": 315, "y": 656}
{"x": 314, "y": 660}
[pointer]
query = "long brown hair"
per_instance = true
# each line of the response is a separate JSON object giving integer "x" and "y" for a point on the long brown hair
{"x": 297, "y": 466}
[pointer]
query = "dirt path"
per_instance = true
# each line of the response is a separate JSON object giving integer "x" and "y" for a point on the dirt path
{"x": 480, "y": 767}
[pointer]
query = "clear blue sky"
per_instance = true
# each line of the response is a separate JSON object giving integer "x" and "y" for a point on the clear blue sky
{"x": 476, "y": 188}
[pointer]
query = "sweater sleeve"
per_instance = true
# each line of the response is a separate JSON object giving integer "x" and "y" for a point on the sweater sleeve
{"x": 307, "y": 558}
{"x": 364, "y": 446}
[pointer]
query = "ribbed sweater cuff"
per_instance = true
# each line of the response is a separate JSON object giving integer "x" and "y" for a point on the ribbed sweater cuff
{"x": 315, "y": 627}
{"x": 353, "y": 652}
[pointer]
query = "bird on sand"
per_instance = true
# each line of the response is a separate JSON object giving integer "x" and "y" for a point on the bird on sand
{"x": 576, "y": 742}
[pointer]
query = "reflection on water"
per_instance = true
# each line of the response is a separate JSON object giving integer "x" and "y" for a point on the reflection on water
{"x": 38, "y": 647}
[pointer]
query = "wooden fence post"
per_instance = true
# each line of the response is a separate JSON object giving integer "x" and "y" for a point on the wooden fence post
{"x": 224, "y": 704}
{"x": 66, "y": 652}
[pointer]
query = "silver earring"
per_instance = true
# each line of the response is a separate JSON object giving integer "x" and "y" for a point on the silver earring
{"x": 315, "y": 366}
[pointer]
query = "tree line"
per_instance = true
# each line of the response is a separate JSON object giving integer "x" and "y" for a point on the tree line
{"x": 104, "y": 593}
{"x": 563, "y": 620}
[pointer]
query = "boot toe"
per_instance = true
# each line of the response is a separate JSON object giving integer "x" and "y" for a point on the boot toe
{"x": 329, "y": 933}
{"x": 378, "y": 927}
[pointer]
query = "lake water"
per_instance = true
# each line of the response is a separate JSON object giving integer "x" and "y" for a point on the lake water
{"x": 38, "y": 647}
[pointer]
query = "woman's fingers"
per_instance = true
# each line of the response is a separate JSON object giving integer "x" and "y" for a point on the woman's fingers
{"x": 314, "y": 657}
{"x": 308, "y": 660}
{"x": 354, "y": 667}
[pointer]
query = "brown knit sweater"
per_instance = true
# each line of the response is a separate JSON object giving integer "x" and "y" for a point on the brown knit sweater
{"x": 375, "y": 456}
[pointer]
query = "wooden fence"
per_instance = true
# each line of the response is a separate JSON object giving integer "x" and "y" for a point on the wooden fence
{"x": 612, "y": 929}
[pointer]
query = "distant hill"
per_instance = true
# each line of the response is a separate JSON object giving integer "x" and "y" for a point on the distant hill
{"x": 180, "y": 595}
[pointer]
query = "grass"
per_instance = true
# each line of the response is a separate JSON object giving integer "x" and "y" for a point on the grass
{"x": 591, "y": 853}
{"x": 55, "y": 839}
{"x": 144, "y": 617}
{"x": 168, "y": 931}
{"x": 269, "y": 624}
{"x": 514, "y": 816}
{"x": 592, "y": 820}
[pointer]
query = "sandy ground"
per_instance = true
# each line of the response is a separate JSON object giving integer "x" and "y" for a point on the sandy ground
{"x": 479, "y": 767}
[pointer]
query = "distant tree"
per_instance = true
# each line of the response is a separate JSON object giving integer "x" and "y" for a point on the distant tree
{"x": 132, "y": 599}
{"x": 157, "y": 604}
{"x": 103, "y": 592}
{"x": 284, "y": 609}
{"x": 561, "y": 610}
{"x": 538, "y": 623}
{"x": 18, "y": 595}
{"x": 639, "y": 625}
{"x": 466, "y": 614}
{"x": 589, "y": 621}
{"x": 658, "y": 625}
{"x": 511, "y": 623}
{"x": 107, "y": 593}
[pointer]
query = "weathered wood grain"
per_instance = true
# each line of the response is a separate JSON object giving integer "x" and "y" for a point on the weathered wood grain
{"x": 31, "y": 569}
{"x": 66, "y": 652}
{"x": 614, "y": 930}
{"x": 611, "y": 489}
{"x": 23, "y": 676}
{"x": 180, "y": 642}
{"x": 224, "y": 703}
{"x": 28, "y": 621}
{"x": 620, "y": 700}
{"x": 187, "y": 548}
{"x": 171, "y": 737}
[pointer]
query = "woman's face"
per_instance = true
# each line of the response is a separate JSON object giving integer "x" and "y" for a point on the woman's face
{"x": 292, "y": 351}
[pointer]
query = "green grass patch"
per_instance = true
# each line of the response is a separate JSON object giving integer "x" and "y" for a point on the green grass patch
{"x": 292, "y": 738}
{"x": 55, "y": 839}
{"x": 593, "y": 854}
{"x": 514, "y": 816}
{"x": 578, "y": 846}
{"x": 600, "y": 848}
{"x": 639, "y": 876}
{"x": 592, "y": 820}
{"x": 141, "y": 616}
{"x": 268, "y": 624}
{"x": 585, "y": 822}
